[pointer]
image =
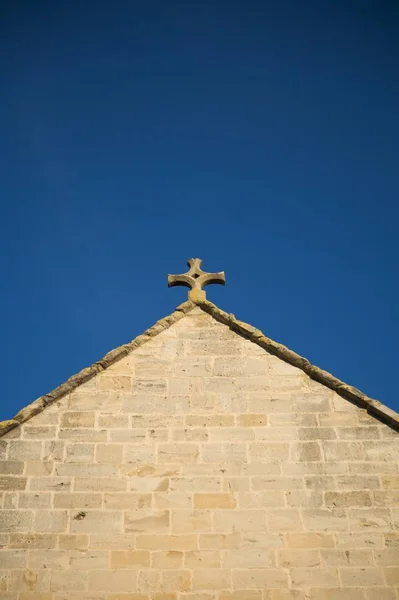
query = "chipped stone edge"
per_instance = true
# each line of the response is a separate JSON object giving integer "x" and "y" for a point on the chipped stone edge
{"x": 88, "y": 373}
{"x": 373, "y": 407}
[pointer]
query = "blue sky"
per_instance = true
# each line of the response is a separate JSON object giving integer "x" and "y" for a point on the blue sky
{"x": 259, "y": 136}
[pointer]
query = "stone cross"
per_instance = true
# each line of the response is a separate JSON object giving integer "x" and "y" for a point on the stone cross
{"x": 196, "y": 279}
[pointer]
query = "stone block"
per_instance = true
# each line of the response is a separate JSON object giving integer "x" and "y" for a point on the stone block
{"x": 115, "y": 383}
{"x": 325, "y": 520}
{"x": 213, "y": 347}
{"x": 209, "y": 420}
{"x": 145, "y": 520}
{"x": 48, "y": 559}
{"x": 302, "y": 557}
{"x": 113, "y": 421}
{"x": 291, "y": 418}
{"x": 51, "y": 484}
{"x": 347, "y": 558}
{"x": 183, "y": 387}
{"x": 83, "y": 435}
{"x": 372, "y": 519}
{"x": 357, "y": 482}
{"x": 130, "y": 436}
{"x": 306, "y": 452}
{"x": 30, "y": 596}
{"x": 391, "y": 575}
{"x": 269, "y": 451}
{"x": 105, "y": 580}
{"x": 227, "y": 434}
{"x": 130, "y": 559}
{"x": 234, "y": 366}
{"x": 32, "y": 500}
{"x": 358, "y": 433}
{"x": 79, "y": 453}
{"x": 190, "y": 521}
{"x": 189, "y": 435}
{"x": 149, "y": 581}
{"x": 217, "y": 541}
{"x": 15, "y": 521}
{"x": 100, "y": 484}
{"x": 211, "y": 579}
{"x": 343, "y": 451}
{"x": 286, "y": 519}
{"x": 277, "y": 483}
{"x": 112, "y": 541}
{"x": 170, "y": 500}
{"x": 77, "y": 500}
{"x": 202, "y": 559}
{"x": 347, "y": 499}
{"x": 252, "y": 420}
{"x": 29, "y": 580}
{"x": 94, "y": 521}
{"x": 21, "y": 450}
{"x": 386, "y": 498}
{"x": 176, "y": 581}
{"x": 211, "y": 501}
{"x": 236, "y": 484}
{"x": 230, "y": 521}
{"x": 13, "y": 559}
{"x": 248, "y": 558}
{"x": 380, "y": 593}
{"x": 109, "y": 453}
{"x": 390, "y": 482}
{"x": 30, "y": 541}
{"x": 224, "y": 452}
{"x": 11, "y": 467}
{"x": 382, "y": 450}
{"x": 89, "y": 559}
{"x": 335, "y": 593}
{"x": 360, "y": 540}
{"x": 342, "y": 404}
{"x": 139, "y": 454}
{"x": 311, "y": 403}
{"x": 241, "y": 595}
{"x": 73, "y": 542}
{"x": 277, "y": 434}
{"x": 123, "y": 501}
{"x": 178, "y": 452}
{"x": 77, "y": 419}
{"x": 361, "y": 577}
{"x": 104, "y": 401}
{"x": 167, "y": 559}
{"x": 317, "y": 433}
{"x": 12, "y": 483}
{"x": 50, "y": 521}
{"x": 199, "y": 366}
{"x": 248, "y": 579}
{"x": 304, "y": 577}
{"x": 10, "y": 499}
{"x": 261, "y": 500}
{"x": 53, "y": 450}
{"x": 176, "y": 543}
{"x": 304, "y": 499}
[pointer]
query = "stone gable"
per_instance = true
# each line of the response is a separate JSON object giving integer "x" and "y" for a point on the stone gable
{"x": 200, "y": 467}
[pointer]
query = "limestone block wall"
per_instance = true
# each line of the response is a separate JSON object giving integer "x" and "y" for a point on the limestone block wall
{"x": 200, "y": 467}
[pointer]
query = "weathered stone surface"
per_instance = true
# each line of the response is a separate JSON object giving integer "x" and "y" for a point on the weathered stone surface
{"x": 200, "y": 467}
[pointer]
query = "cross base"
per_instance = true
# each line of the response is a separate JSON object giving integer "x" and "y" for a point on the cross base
{"x": 196, "y": 295}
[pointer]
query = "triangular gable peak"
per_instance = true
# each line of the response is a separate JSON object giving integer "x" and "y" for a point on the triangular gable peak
{"x": 373, "y": 407}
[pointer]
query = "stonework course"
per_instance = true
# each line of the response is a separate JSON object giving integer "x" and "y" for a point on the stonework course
{"x": 200, "y": 466}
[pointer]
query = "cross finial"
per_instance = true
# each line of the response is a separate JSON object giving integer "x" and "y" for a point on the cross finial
{"x": 196, "y": 279}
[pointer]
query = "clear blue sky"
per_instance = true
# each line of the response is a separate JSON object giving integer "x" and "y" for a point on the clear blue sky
{"x": 260, "y": 136}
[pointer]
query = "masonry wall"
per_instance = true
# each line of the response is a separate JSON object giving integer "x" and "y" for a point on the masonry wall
{"x": 200, "y": 468}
